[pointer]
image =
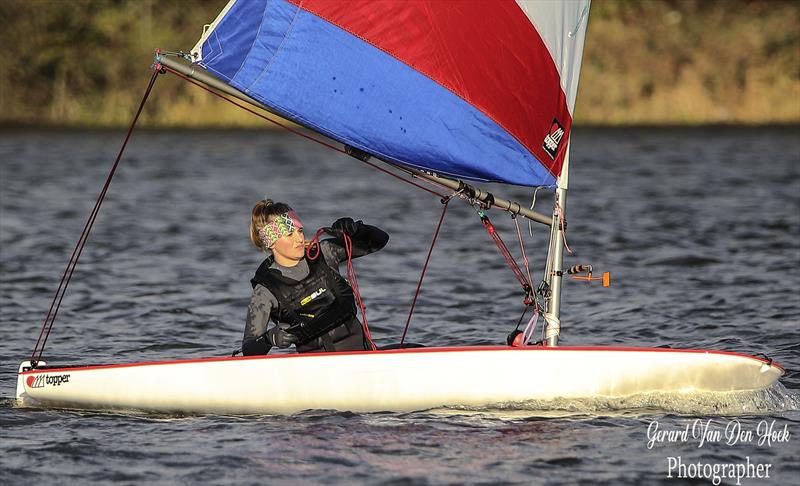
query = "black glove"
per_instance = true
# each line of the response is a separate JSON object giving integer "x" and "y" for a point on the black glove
{"x": 346, "y": 225}
{"x": 280, "y": 338}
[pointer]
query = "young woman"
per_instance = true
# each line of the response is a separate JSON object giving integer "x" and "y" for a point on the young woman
{"x": 311, "y": 304}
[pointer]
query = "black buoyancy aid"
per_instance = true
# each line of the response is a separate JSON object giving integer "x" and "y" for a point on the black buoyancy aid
{"x": 313, "y": 306}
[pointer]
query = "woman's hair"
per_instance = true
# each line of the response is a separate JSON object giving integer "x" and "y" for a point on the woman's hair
{"x": 262, "y": 211}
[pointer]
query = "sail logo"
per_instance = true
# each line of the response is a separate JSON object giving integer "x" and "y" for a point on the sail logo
{"x": 552, "y": 140}
{"x": 39, "y": 381}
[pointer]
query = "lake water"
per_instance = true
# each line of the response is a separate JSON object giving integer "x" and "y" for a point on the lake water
{"x": 700, "y": 229}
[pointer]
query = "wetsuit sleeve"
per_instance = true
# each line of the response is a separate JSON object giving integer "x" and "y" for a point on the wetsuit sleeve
{"x": 261, "y": 305}
{"x": 367, "y": 239}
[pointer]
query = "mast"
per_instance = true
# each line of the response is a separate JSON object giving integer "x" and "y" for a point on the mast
{"x": 555, "y": 255}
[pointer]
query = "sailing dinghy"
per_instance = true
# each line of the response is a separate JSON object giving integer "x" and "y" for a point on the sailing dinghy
{"x": 445, "y": 93}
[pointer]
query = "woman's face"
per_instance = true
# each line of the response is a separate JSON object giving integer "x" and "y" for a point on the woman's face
{"x": 289, "y": 250}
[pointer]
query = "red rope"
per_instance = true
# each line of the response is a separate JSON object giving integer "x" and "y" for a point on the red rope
{"x": 298, "y": 132}
{"x": 522, "y": 250}
{"x": 314, "y": 244}
{"x": 55, "y": 305}
{"x": 351, "y": 277}
{"x": 445, "y": 201}
{"x": 512, "y": 264}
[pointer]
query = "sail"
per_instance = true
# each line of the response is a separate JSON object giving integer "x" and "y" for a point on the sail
{"x": 468, "y": 89}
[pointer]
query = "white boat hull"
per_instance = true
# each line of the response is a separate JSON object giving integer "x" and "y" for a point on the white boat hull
{"x": 398, "y": 380}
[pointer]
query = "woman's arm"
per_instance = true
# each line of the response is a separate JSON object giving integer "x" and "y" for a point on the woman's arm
{"x": 258, "y": 311}
{"x": 366, "y": 239}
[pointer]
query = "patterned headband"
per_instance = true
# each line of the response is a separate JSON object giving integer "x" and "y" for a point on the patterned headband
{"x": 282, "y": 225}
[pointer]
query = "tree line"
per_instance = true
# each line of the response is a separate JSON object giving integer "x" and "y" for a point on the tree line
{"x": 86, "y": 63}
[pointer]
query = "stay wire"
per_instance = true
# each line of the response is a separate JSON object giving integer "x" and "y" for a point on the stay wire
{"x": 55, "y": 305}
{"x": 445, "y": 202}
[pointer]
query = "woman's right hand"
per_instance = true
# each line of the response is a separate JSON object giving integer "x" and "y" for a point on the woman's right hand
{"x": 280, "y": 338}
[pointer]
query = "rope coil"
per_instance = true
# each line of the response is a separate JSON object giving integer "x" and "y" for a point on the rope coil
{"x": 351, "y": 276}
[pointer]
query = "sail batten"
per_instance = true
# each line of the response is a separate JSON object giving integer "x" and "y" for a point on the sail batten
{"x": 466, "y": 89}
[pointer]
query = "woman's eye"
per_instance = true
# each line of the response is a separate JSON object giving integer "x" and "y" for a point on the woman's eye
{"x": 300, "y": 230}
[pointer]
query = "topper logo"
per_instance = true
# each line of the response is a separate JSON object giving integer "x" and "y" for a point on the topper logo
{"x": 552, "y": 140}
{"x": 35, "y": 381}
{"x": 57, "y": 380}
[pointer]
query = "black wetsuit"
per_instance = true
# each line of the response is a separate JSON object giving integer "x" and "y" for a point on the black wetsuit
{"x": 346, "y": 335}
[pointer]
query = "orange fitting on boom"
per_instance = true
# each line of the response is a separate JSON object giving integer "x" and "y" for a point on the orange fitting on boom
{"x": 606, "y": 278}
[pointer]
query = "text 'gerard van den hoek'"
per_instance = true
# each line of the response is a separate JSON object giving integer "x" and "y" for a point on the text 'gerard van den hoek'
{"x": 765, "y": 433}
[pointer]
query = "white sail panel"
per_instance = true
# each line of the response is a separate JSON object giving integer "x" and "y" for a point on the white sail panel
{"x": 562, "y": 26}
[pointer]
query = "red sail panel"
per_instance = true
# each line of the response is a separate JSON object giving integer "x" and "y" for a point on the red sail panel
{"x": 487, "y": 53}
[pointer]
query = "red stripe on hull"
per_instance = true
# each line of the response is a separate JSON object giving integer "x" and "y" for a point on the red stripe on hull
{"x": 487, "y": 53}
{"x": 409, "y": 351}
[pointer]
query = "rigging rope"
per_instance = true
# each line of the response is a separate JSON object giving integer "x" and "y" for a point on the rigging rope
{"x": 533, "y": 204}
{"x": 49, "y": 320}
{"x": 522, "y": 249}
{"x": 351, "y": 277}
{"x": 527, "y": 334}
{"x": 445, "y": 202}
{"x": 512, "y": 264}
{"x": 563, "y": 225}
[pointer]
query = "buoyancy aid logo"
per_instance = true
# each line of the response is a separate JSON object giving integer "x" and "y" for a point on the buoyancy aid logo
{"x": 39, "y": 381}
{"x": 314, "y": 295}
{"x": 552, "y": 141}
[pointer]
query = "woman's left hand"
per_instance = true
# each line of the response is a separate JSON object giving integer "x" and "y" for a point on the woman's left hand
{"x": 345, "y": 226}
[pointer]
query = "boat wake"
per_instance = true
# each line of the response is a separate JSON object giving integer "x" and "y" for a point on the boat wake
{"x": 775, "y": 399}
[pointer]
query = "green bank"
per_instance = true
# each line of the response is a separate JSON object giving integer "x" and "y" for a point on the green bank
{"x": 86, "y": 63}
